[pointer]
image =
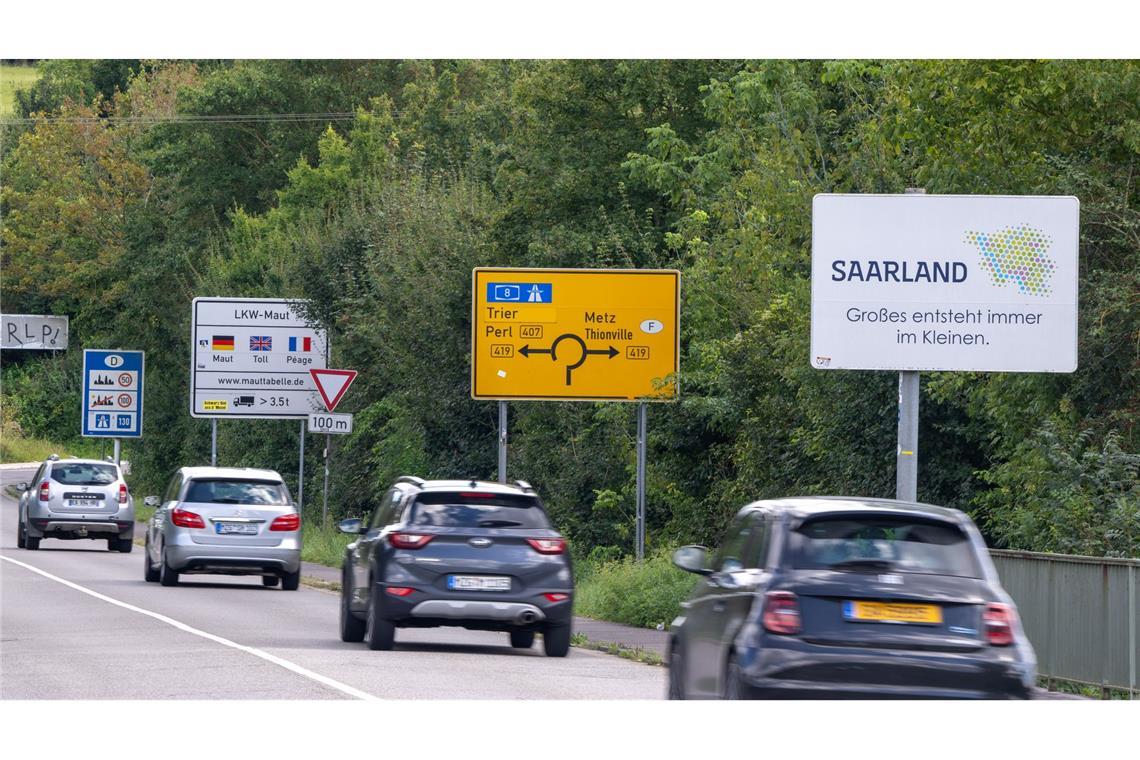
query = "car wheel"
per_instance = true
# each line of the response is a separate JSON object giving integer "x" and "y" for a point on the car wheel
{"x": 270, "y": 580}
{"x": 676, "y": 674}
{"x": 113, "y": 544}
{"x": 31, "y": 542}
{"x": 351, "y": 627}
{"x": 379, "y": 633}
{"x": 126, "y": 545}
{"x": 732, "y": 679}
{"x": 522, "y": 639}
{"x": 21, "y": 536}
{"x": 556, "y": 640}
{"x": 291, "y": 581}
{"x": 167, "y": 576}
{"x": 150, "y": 573}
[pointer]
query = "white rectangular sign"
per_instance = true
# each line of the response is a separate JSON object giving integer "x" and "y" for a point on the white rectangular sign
{"x": 42, "y": 332}
{"x": 250, "y": 357}
{"x": 944, "y": 282}
{"x": 325, "y": 422}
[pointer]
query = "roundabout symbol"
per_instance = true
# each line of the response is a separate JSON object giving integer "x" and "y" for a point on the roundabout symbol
{"x": 585, "y": 352}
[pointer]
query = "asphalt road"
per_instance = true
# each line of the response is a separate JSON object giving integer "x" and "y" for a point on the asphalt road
{"x": 79, "y": 622}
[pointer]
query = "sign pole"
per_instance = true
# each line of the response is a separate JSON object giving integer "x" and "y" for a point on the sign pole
{"x": 213, "y": 441}
{"x": 642, "y": 434}
{"x": 502, "y": 441}
{"x": 325, "y": 496}
{"x": 116, "y": 442}
{"x": 906, "y": 456}
{"x": 301, "y": 472}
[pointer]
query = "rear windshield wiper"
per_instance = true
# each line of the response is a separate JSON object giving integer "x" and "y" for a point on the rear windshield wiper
{"x": 499, "y": 523}
{"x": 863, "y": 564}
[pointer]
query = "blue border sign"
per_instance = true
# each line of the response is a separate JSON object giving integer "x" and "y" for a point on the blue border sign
{"x": 112, "y": 393}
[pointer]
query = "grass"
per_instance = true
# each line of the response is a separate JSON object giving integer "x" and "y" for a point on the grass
{"x": 14, "y": 447}
{"x": 644, "y": 595}
{"x": 11, "y": 79}
{"x": 324, "y": 546}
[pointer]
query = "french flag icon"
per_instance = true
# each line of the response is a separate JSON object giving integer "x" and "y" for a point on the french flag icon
{"x": 300, "y": 344}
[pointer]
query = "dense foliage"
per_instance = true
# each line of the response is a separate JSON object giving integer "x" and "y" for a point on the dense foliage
{"x": 134, "y": 189}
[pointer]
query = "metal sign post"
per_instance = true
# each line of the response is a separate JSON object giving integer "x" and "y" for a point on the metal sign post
{"x": 642, "y": 435}
{"x": 502, "y": 441}
{"x": 906, "y": 476}
{"x": 214, "y": 442}
{"x": 301, "y": 471}
{"x": 325, "y": 495}
{"x": 117, "y": 450}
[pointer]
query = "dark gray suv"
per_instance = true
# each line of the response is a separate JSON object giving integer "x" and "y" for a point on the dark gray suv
{"x": 478, "y": 555}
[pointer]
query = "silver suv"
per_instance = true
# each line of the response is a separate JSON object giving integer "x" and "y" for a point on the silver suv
{"x": 224, "y": 520}
{"x": 76, "y": 498}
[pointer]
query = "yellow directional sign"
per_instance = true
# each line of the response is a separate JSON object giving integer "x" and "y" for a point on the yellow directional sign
{"x": 575, "y": 334}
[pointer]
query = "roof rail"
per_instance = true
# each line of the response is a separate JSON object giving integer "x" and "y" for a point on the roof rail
{"x": 524, "y": 485}
{"x": 410, "y": 479}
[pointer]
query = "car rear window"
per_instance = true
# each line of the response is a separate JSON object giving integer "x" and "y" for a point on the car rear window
{"x": 884, "y": 544}
{"x": 236, "y": 492}
{"x": 85, "y": 474}
{"x": 478, "y": 510}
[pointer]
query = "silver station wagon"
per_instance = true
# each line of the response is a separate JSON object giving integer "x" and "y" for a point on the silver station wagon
{"x": 224, "y": 520}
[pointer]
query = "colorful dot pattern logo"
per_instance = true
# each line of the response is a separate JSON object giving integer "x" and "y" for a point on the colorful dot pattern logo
{"x": 1016, "y": 255}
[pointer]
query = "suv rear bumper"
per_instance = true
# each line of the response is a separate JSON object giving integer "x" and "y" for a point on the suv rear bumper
{"x": 66, "y": 528}
{"x": 785, "y": 667}
{"x": 423, "y": 609}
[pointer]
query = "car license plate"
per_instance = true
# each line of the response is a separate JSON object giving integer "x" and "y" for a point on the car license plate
{"x": 478, "y": 583}
{"x": 81, "y": 503}
{"x": 242, "y": 529}
{"x": 892, "y": 612}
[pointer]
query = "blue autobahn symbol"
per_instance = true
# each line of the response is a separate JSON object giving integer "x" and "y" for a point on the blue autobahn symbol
{"x": 520, "y": 292}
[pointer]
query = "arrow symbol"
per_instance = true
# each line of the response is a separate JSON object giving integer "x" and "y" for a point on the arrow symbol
{"x": 611, "y": 351}
{"x": 526, "y": 350}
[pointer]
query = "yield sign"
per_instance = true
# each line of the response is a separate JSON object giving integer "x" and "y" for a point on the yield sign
{"x": 332, "y": 383}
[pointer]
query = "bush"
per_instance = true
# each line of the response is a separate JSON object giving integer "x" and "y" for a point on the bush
{"x": 624, "y": 591}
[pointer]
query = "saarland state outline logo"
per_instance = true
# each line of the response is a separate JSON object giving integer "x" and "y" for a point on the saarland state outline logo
{"x": 1017, "y": 255}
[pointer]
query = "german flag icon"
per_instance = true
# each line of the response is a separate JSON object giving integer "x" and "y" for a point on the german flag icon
{"x": 222, "y": 343}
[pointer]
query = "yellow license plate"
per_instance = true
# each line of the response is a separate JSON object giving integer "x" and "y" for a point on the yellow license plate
{"x": 892, "y": 612}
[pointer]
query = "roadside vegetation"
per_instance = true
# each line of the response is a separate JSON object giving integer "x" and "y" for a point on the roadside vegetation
{"x": 13, "y": 78}
{"x": 422, "y": 170}
{"x": 647, "y": 594}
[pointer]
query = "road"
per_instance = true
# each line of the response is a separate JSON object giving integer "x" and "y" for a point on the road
{"x": 79, "y": 622}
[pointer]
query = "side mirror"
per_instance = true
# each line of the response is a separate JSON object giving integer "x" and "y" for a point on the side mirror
{"x": 151, "y": 501}
{"x": 353, "y": 526}
{"x": 22, "y": 486}
{"x": 693, "y": 559}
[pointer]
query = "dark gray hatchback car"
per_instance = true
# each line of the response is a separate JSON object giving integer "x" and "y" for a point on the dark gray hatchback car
{"x": 831, "y": 597}
{"x": 472, "y": 554}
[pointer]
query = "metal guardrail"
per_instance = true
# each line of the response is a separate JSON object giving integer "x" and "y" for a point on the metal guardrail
{"x": 1081, "y": 614}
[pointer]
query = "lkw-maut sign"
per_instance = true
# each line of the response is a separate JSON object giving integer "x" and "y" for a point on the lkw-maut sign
{"x": 944, "y": 282}
{"x": 575, "y": 334}
{"x": 250, "y": 357}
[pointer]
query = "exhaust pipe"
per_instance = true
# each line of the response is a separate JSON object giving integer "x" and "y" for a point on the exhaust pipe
{"x": 526, "y": 617}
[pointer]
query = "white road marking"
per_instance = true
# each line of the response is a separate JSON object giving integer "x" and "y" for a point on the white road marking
{"x": 290, "y": 666}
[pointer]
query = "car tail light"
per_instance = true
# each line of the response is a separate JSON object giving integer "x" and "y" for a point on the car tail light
{"x": 998, "y": 623}
{"x": 45, "y": 491}
{"x": 556, "y": 597}
{"x": 548, "y": 545}
{"x": 781, "y": 612}
{"x": 184, "y": 518}
{"x": 399, "y": 590}
{"x": 122, "y": 493}
{"x": 286, "y": 522}
{"x": 409, "y": 540}
{"x": 477, "y": 495}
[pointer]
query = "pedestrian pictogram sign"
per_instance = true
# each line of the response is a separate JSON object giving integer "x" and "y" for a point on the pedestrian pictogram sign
{"x": 332, "y": 384}
{"x": 575, "y": 334}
